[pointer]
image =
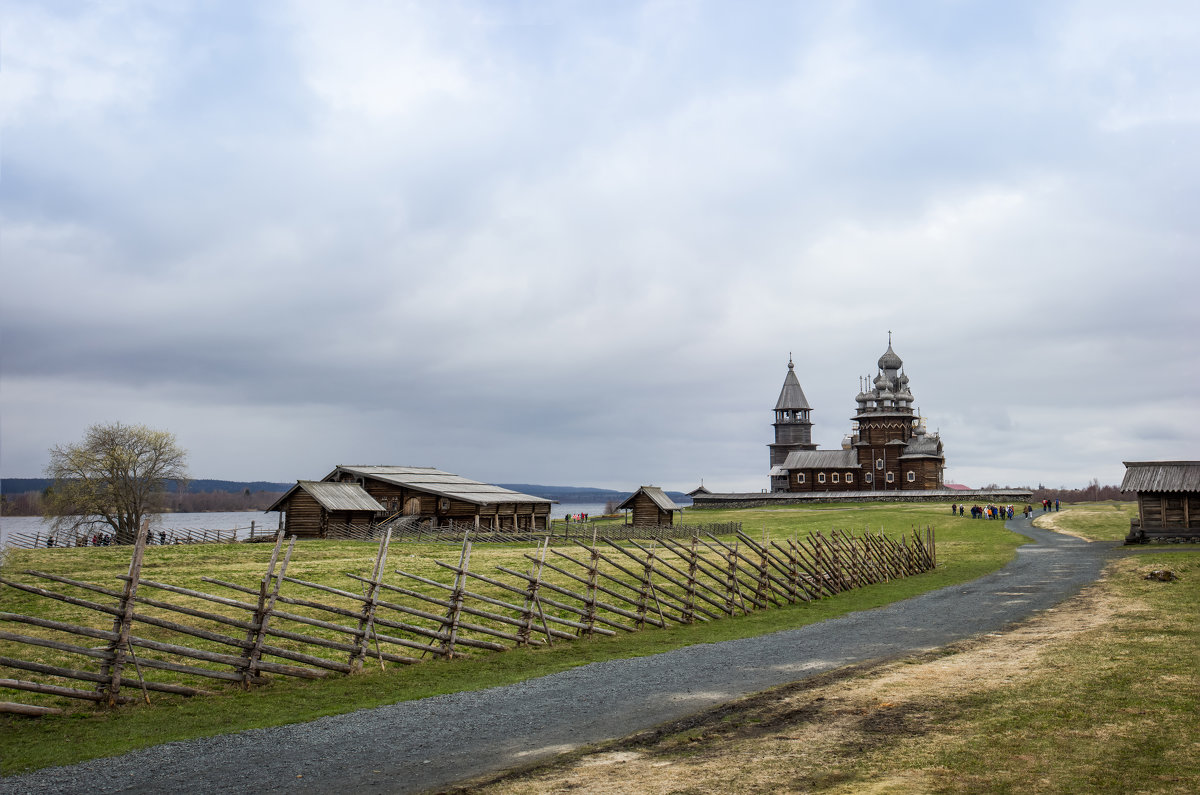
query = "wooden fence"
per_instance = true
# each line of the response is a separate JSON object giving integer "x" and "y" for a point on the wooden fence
{"x": 97, "y": 537}
{"x": 411, "y": 529}
{"x": 186, "y": 637}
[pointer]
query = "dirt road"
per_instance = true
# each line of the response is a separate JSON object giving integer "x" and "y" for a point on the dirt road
{"x": 431, "y": 743}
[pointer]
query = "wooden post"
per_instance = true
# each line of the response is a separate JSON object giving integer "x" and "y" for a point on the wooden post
{"x": 366, "y": 624}
{"x": 115, "y": 653}
{"x": 450, "y": 623}
{"x": 268, "y": 592}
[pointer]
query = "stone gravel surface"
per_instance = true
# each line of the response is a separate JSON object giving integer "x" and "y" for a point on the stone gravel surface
{"x": 431, "y": 743}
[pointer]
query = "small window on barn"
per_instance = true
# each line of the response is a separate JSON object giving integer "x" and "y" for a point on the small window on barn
{"x": 891, "y": 477}
{"x": 850, "y": 477}
{"x": 912, "y": 477}
{"x": 834, "y": 477}
{"x": 820, "y": 477}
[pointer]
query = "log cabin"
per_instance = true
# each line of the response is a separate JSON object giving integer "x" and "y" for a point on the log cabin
{"x": 1168, "y": 496}
{"x": 312, "y": 507}
{"x": 651, "y": 507}
{"x": 431, "y": 494}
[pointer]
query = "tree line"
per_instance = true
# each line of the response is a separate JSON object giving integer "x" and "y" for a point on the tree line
{"x": 1092, "y": 492}
{"x": 32, "y": 503}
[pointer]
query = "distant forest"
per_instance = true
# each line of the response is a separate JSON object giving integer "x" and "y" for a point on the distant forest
{"x": 23, "y": 496}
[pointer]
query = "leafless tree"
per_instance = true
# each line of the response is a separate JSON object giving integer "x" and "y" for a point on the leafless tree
{"x": 117, "y": 476}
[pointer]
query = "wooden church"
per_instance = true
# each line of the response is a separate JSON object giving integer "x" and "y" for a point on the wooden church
{"x": 888, "y": 448}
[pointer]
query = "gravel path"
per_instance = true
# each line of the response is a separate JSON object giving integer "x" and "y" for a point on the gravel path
{"x": 418, "y": 745}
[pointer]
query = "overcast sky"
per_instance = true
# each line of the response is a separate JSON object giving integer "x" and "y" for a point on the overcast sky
{"x": 574, "y": 243}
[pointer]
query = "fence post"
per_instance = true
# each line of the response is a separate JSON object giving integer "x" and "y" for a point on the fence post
{"x": 114, "y": 660}
{"x": 366, "y": 624}
{"x": 268, "y": 590}
{"x": 450, "y": 623}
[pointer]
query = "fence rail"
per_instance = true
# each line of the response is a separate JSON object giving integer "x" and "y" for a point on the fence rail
{"x": 187, "y": 639}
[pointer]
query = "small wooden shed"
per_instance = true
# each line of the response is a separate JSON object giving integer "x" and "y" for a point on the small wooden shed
{"x": 651, "y": 507}
{"x": 312, "y": 507}
{"x": 1168, "y": 495}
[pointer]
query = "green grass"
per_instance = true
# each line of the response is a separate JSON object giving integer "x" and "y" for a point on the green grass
{"x": 1095, "y": 521}
{"x": 966, "y": 549}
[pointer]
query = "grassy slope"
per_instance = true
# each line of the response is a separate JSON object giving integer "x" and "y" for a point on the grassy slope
{"x": 1095, "y": 521}
{"x": 1116, "y": 710}
{"x": 966, "y": 549}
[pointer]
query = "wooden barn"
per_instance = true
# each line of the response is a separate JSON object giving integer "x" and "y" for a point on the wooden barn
{"x": 651, "y": 507}
{"x": 443, "y": 497}
{"x": 311, "y": 507}
{"x": 1168, "y": 496}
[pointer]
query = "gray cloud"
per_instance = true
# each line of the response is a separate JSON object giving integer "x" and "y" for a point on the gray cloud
{"x": 577, "y": 245}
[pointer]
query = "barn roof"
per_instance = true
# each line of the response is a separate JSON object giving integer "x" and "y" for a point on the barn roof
{"x": 442, "y": 484}
{"x": 698, "y": 490}
{"x": 1161, "y": 476}
{"x": 654, "y": 493}
{"x": 333, "y": 496}
{"x": 821, "y": 459}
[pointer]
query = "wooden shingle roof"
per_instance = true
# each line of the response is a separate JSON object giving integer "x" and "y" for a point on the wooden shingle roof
{"x": 333, "y": 496}
{"x": 822, "y": 459}
{"x": 439, "y": 483}
{"x": 655, "y": 494}
{"x": 1161, "y": 476}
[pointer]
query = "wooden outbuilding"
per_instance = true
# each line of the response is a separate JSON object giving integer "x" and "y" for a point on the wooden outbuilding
{"x": 312, "y": 507}
{"x": 1168, "y": 495}
{"x": 651, "y": 507}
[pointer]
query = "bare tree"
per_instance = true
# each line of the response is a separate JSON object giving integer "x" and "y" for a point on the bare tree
{"x": 117, "y": 476}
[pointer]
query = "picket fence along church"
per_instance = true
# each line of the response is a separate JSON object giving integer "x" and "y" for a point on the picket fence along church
{"x": 888, "y": 448}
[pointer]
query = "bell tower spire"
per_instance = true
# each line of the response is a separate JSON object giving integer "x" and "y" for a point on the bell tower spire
{"x": 793, "y": 428}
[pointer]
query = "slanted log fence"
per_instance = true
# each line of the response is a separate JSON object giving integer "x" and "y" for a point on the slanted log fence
{"x": 597, "y": 586}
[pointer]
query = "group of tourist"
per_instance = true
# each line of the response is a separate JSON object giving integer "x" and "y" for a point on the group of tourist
{"x": 577, "y": 517}
{"x": 1000, "y": 511}
{"x": 984, "y": 511}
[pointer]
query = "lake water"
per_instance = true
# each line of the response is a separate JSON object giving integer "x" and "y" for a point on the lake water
{"x": 236, "y": 520}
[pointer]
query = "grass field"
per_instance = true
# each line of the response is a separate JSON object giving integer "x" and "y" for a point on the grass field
{"x": 966, "y": 549}
{"x": 1095, "y": 521}
{"x": 1100, "y": 694}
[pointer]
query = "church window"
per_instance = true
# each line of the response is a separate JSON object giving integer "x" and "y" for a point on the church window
{"x": 912, "y": 477}
{"x": 891, "y": 477}
{"x": 850, "y": 477}
{"x": 820, "y": 477}
{"x": 834, "y": 477}
{"x": 869, "y": 478}
{"x": 879, "y": 463}
{"x": 800, "y": 478}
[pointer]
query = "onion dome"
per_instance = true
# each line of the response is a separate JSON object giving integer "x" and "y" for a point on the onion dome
{"x": 889, "y": 360}
{"x": 882, "y": 382}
